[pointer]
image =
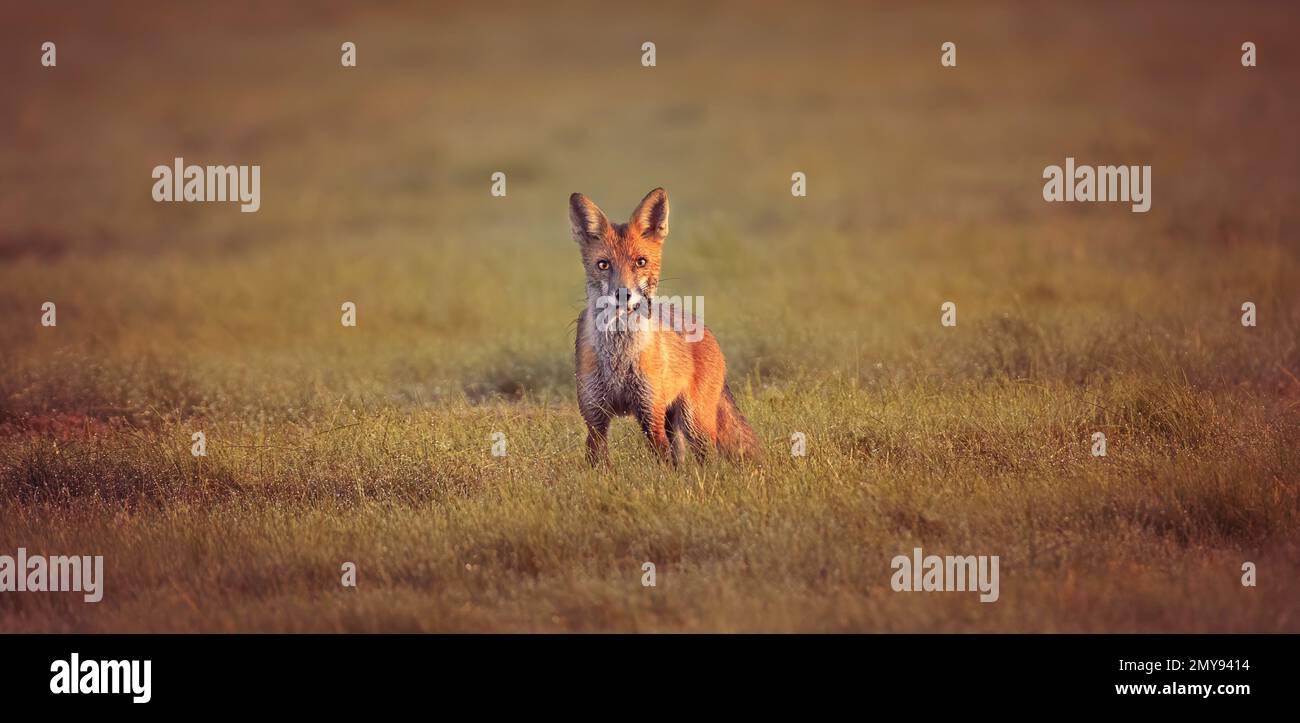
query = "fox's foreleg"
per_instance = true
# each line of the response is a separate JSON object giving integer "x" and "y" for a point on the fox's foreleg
{"x": 653, "y": 417}
{"x": 597, "y": 439}
{"x": 597, "y": 416}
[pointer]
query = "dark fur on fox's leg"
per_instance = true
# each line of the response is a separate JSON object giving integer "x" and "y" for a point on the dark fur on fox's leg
{"x": 654, "y": 421}
{"x": 597, "y": 438}
{"x": 679, "y": 430}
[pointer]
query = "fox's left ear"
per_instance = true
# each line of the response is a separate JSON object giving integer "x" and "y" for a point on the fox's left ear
{"x": 650, "y": 218}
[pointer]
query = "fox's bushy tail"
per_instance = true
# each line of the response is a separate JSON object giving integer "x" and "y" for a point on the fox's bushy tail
{"x": 736, "y": 439}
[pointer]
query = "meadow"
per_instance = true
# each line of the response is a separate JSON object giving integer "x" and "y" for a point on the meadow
{"x": 372, "y": 444}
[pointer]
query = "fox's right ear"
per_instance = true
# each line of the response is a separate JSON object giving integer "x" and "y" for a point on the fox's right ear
{"x": 586, "y": 220}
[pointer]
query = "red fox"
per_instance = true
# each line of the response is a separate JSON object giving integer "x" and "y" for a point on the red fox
{"x": 674, "y": 385}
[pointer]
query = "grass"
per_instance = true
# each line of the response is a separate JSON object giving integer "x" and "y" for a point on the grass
{"x": 372, "y": 444}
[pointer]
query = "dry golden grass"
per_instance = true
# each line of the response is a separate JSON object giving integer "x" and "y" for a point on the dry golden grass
{"x": 372, "y": 444}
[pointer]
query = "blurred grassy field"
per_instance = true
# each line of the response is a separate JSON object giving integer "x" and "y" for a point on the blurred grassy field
{"x": 371, "y": 444}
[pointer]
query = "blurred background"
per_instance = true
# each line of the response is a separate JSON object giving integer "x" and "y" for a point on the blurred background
{"x": 924, "y": 186}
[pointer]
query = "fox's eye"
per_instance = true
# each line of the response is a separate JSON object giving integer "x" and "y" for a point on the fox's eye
{"x": 641, "y": 261}
{"x": 603, "y": 265}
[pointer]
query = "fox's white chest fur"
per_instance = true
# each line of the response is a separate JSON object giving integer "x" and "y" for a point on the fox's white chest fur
{"x": 618, "y": 354}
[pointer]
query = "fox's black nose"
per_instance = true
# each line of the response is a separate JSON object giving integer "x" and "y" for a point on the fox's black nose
{"x": 628, "y": 298}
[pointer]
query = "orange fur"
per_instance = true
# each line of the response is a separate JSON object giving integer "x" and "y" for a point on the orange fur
{"x": 674, "y": 386}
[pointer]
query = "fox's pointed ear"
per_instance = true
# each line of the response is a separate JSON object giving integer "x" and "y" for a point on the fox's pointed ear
{"x": 586, "y": 220}
{"x": 650, "y": 219}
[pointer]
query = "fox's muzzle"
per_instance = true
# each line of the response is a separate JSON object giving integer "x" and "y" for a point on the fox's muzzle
{"x": 628, "y": 299}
